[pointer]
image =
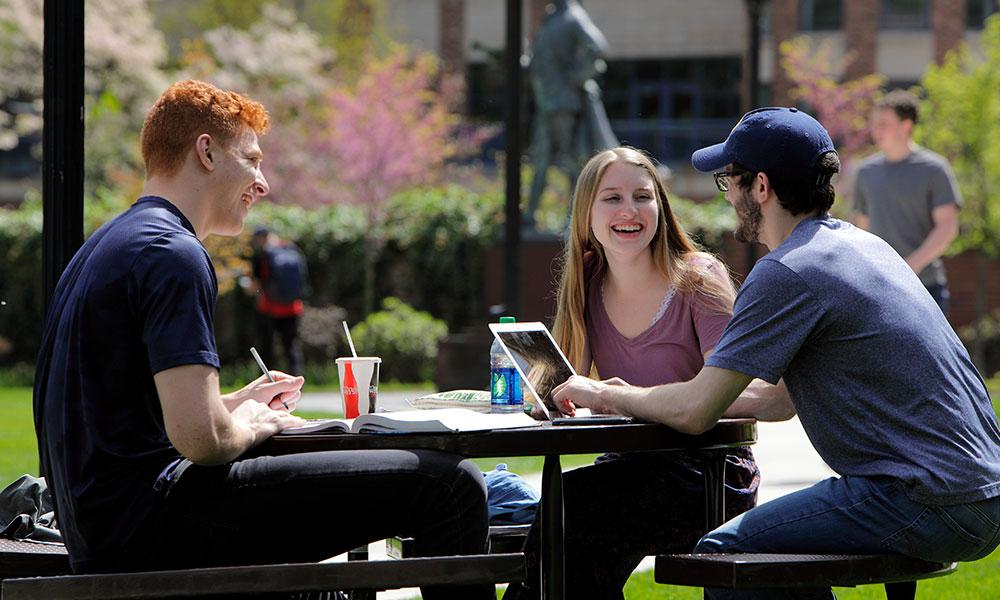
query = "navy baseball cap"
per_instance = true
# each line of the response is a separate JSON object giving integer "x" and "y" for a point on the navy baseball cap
{"x": 782, "y": 142}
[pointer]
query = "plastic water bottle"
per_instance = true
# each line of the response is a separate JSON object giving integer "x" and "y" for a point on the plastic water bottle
{"x": 505, "y": 383}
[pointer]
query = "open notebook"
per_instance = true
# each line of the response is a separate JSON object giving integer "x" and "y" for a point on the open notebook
{"x": 440, "y": 420}
{"x": 542, "y": 367}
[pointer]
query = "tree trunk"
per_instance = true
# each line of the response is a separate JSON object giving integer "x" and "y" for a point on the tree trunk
{"x": 368, "y": 299}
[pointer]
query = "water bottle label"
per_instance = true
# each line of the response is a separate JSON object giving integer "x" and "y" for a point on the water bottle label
{"x": 499, "y": 386}
{"x": 505, "y": 387}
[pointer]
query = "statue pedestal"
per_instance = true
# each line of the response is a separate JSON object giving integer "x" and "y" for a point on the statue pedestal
{"x": 463, "y": 360}
{"x": 540, "y": 255}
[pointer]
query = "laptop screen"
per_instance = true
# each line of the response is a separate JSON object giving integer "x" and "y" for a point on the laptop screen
{"x": 540, "y": 360}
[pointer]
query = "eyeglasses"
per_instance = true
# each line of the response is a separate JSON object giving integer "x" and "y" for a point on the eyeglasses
{"x": 722, "y": 179}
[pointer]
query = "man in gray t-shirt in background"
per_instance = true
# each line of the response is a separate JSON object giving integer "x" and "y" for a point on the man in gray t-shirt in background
{"x": 907, "y": 195}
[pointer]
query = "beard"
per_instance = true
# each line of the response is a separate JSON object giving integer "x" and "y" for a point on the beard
{"x": 749, "y": 216}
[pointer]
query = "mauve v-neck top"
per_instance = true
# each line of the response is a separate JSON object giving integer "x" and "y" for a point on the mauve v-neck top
{"x": 671, "y": 349}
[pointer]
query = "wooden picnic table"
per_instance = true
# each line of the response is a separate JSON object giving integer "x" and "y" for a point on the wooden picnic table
{"x": 551, "y": 442}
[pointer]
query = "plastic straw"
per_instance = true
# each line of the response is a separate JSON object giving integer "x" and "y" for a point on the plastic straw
{"x": 349, "y": 340}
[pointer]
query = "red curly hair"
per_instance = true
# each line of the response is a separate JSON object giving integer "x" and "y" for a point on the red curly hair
{"x": 188, "y": 109}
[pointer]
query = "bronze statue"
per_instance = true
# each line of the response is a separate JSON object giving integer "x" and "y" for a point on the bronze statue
{"x": 570, "y": 121}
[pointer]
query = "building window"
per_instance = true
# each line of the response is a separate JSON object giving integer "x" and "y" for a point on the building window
{"x": 672, "y": 107}
{"x": 819, "y": 15}
{"x": 977, "y": 11}
{"x": 904, "y": 14}
{"x": 485, "y": 98}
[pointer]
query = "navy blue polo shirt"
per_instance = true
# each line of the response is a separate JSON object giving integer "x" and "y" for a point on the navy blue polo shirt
{"x": 138, "y": 298}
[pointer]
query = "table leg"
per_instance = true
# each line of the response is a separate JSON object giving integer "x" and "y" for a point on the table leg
{"x": 714, "y": 469}
{"x": 553, "y": 568}
{"x": 360, "y": 553}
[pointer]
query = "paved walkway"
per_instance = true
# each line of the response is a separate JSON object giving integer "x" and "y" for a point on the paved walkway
{"x": 786, "y": 458}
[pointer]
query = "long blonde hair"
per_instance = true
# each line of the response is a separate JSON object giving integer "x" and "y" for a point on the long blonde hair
{"x": 584, "y": 256}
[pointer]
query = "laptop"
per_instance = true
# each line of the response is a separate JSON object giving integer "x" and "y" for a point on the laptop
{"x": 543, "y": 366}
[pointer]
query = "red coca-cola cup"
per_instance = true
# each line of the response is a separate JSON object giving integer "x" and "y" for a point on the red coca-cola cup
{"x": 358, "y": 384}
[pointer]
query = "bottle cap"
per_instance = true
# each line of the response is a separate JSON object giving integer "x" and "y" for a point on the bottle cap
{"x": 508, "y": 320}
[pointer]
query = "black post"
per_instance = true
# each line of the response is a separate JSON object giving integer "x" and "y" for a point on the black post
{"x": 512, "y": 246}
{"x": 754, "y": 9}
{"x": 62, "y": 139}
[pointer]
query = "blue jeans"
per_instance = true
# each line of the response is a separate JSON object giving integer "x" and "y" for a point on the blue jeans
{"x": 856, "y": 515}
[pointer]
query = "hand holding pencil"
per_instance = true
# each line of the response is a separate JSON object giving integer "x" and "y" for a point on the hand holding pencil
{"x": 286, "y": 397}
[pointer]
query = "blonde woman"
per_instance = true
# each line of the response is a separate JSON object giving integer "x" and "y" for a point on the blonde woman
{"x": 640, "y": 302}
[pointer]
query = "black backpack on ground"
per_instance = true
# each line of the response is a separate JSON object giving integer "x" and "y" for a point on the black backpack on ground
{"x": 286, "y": 274}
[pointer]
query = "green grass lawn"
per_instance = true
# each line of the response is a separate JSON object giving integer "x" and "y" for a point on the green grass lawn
{"x": 18, "y": 451}
{"x": 981, "y": 579}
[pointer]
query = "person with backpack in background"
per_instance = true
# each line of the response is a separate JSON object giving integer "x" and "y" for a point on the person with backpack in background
{"x": 279, "y": 272}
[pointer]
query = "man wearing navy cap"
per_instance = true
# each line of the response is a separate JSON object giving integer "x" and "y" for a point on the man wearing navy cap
{"x": 915, "y": 439}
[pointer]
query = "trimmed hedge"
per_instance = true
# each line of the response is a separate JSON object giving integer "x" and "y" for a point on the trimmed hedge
{"x": 432, "y": 259}
{"x": 435, "y": 239}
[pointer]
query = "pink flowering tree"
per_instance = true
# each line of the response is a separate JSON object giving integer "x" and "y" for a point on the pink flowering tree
{"x": 843, "y": 107}
{"x": 389, "y": 130}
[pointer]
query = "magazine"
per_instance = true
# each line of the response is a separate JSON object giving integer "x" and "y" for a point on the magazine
{"x": 477, "y": 400}
{"x": 438, "y": 420}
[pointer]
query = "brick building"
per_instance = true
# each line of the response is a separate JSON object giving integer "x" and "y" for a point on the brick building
{"x": 677, "y": 74}
{"x": 677, "y": 69}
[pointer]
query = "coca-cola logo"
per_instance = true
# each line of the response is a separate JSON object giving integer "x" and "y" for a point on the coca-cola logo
{"x": 350, "y": 390}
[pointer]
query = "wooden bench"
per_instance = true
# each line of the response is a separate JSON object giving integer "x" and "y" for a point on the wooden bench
{"x": 266, "y": 579}
{"x": 756, "y": 571}
{"x": 32, "y": 571}
{"x": 503, "y": 539}
{"x": 28, "y": 559}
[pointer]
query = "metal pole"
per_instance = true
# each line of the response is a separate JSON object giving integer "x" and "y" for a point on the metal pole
{"x": 512, "y": 245}
{"x": 754, "y": 9}
{"x": 62, "y": 139}
{"x": 553, "y": 563}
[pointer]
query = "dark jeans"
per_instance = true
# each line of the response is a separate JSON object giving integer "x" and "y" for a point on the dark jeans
{"x": 287, "y": 331}
{"x": 308, "y": 507}
{"x": 941, "y": 295}
{"x": 631, "y": 506}
{"x": 855, "y": 515}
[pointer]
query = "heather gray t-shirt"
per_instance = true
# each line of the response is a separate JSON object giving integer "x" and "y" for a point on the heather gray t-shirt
{"x": 881, "y": 383}
{"x": 898, "y": 198}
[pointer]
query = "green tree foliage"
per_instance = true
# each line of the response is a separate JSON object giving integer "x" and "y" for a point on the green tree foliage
{"x": 123, "y": 53}
{"x": 436, "y": 239}
{"x": 346, "y": 27}
{"x": 406, "y": 340}
{"x": 960, "y": 118}
{"x": 350, "y": 27}
{"x": 275, "y": 57}
{"x": 20, "y": 69}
